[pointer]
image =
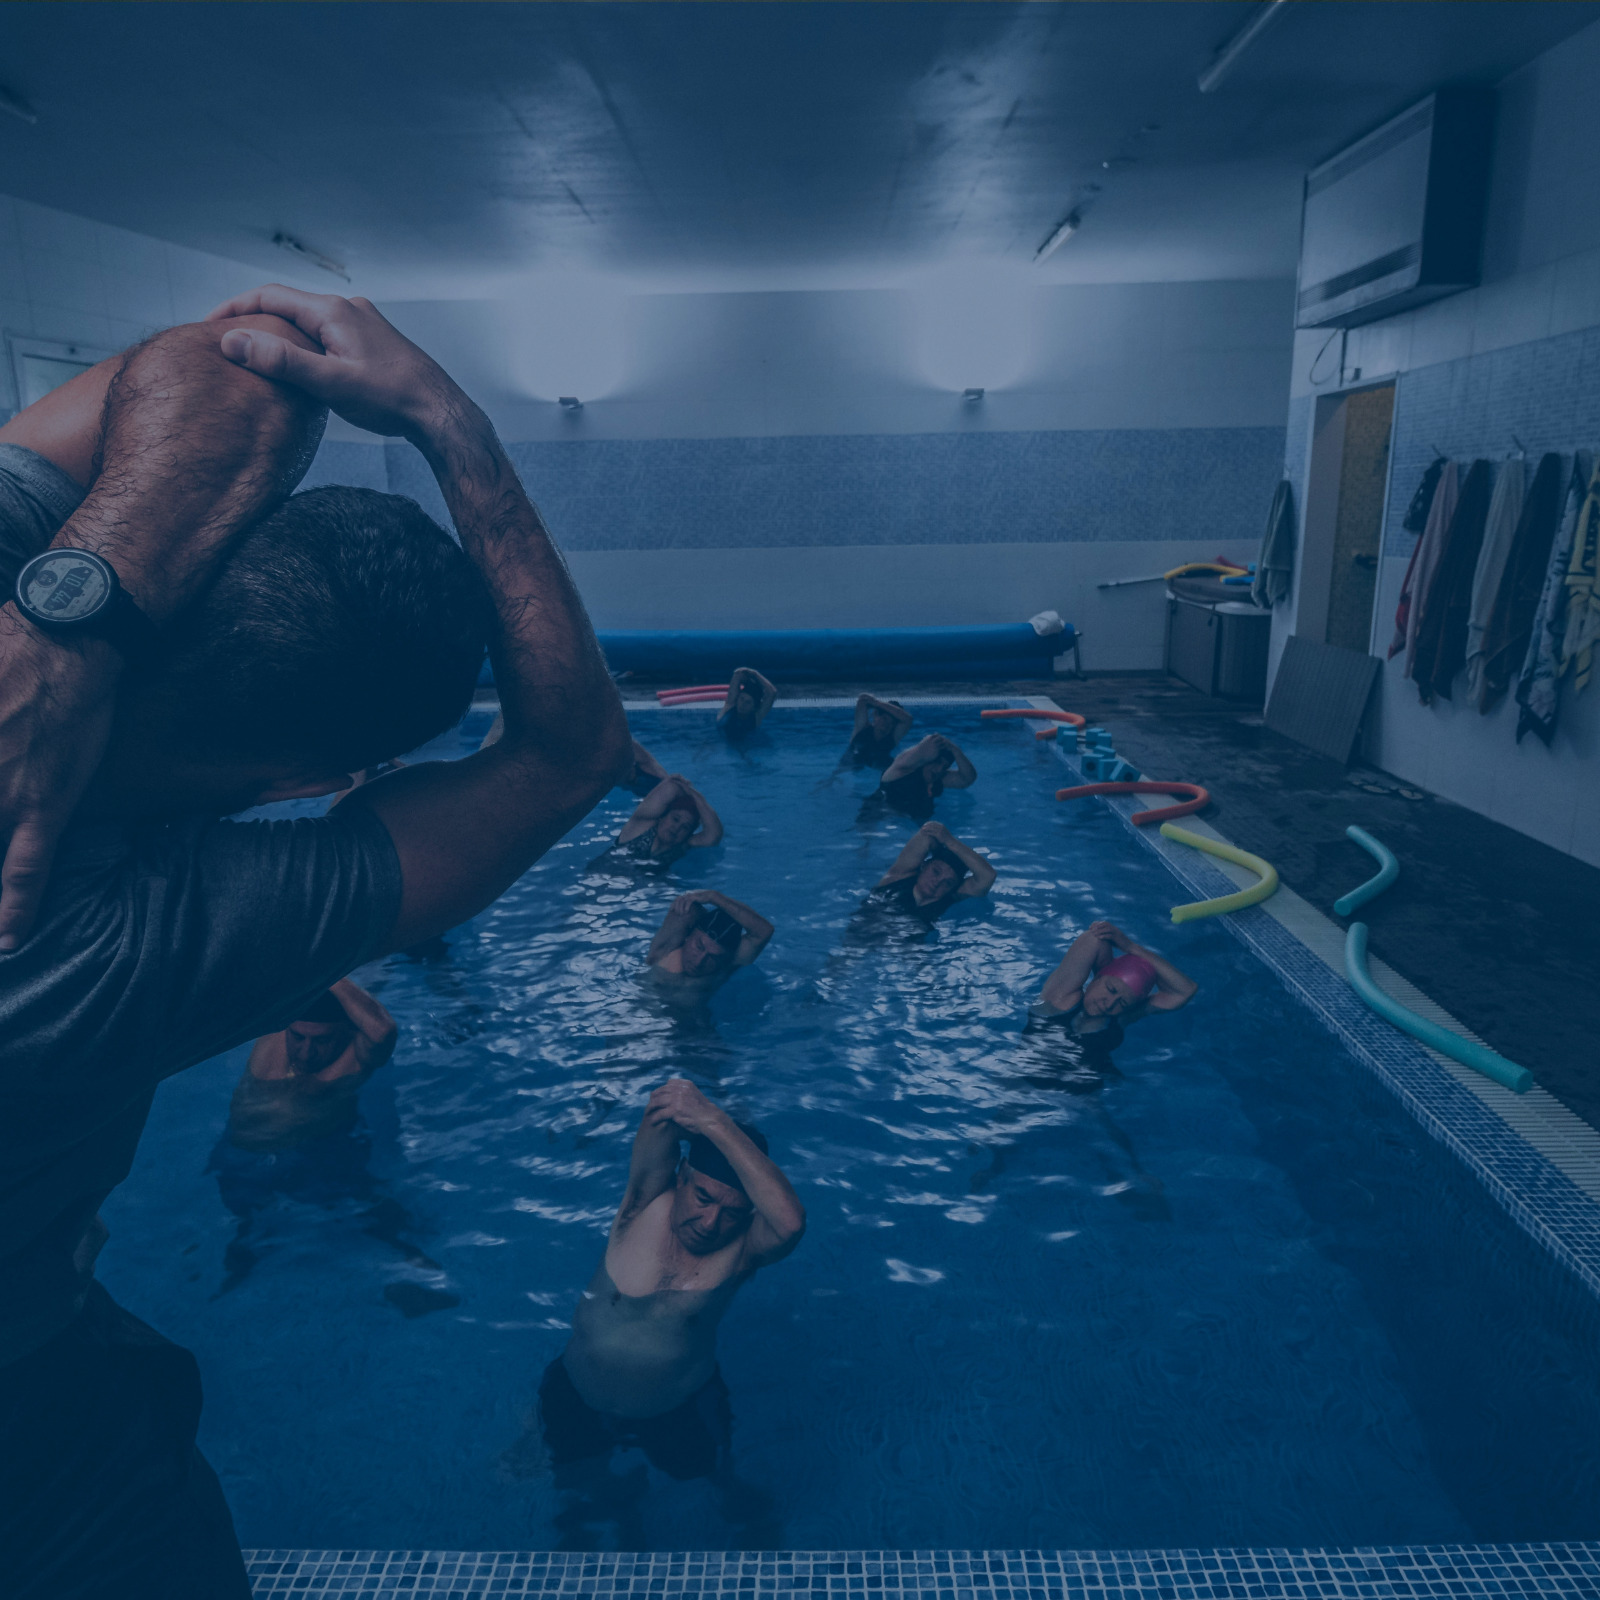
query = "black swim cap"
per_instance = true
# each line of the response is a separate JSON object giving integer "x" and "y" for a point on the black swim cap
{"x": 715, "y": 923}
{"x": 710, "y": 1162}
{"x": 950, "y": 859}
{"x": 326, "y": 1010}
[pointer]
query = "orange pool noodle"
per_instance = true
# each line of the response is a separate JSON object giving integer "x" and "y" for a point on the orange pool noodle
{"x": 1163, "y": 814}
{"x": 1041, "y": 716}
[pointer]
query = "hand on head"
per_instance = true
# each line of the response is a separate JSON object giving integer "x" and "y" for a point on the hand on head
{"x": 677, "y": 1100}
{"x": 368, "y": 371}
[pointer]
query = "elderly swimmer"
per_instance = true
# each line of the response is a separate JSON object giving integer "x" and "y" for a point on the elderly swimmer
{"x": 918, "y": 776}
{"x": 703, "y": 938}
{"x": 1095, "y": 995}
{"x": 672, "y": 818}
{"x": 641, "y": 1367}
{"x": 750, "y": 697}
{"x": 932, "y": 872}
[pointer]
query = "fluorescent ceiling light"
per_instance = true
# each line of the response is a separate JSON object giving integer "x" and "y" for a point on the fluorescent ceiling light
{"x": 1064, "y": 230}
{"x": 1227, "y": 58}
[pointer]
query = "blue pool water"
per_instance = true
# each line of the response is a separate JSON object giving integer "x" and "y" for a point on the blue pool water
{"x": 1230, "y": 1296}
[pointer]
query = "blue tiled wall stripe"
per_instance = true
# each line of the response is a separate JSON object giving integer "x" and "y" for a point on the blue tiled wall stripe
{"x": 1482, "y": 1572}
{"x": 1547, "y": 393}
{"x": 894, "y": 489}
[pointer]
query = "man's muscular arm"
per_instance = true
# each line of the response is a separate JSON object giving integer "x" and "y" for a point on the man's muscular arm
{"x": 184, "y": 451}
{"x": 465, "y": 830}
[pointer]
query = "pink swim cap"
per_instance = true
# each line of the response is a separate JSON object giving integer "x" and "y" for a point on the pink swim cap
{"x": 1134, "y": 971}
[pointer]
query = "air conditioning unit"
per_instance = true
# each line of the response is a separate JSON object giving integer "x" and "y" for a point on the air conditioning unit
{"x": 1396, "y": 220}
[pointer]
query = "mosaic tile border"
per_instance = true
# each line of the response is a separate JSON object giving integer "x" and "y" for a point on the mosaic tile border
{"x": 1539, "y": 1196}
{"x": 1384, "y": 1573}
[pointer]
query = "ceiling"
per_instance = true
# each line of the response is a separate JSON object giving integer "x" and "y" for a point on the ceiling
{"x": 445, "y": 150}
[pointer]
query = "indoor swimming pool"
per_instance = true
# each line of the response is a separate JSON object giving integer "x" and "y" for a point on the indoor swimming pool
{"x": 1228, "y": 1293}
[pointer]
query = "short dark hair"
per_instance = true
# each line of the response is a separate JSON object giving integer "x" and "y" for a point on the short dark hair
{"x": 346, "y": 627}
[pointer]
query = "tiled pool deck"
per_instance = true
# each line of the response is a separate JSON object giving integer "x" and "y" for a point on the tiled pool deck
{"x": 1538, "y": 1162}
{"x": 1466, "y": 1570}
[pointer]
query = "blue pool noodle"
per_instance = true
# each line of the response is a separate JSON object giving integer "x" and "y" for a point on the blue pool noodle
{"x": 1388, "y": 871}
{"x": 1477, "y": 1056}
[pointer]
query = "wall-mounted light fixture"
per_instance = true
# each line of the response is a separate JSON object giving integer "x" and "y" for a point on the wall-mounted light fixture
{"x": 287, "y": 241}
{"x": 570, "y": 402}
{"x": 972, "y": 397}
{"x": 1059, "y": 235}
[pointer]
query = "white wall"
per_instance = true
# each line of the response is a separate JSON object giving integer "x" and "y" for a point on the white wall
{"x": 73, "y": 281}
{"x": 1513, "y": 356}
{"x": 846, "y": 364}
{"x": 842, "y": 362}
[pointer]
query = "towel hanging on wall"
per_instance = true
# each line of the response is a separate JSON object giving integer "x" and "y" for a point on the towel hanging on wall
{"x": 1424, "y": 559}
{"x": 1442, "y": 633}
{"x": 1505, "y": 640}
{"x": 1275, "y": 564}
{"x": 1539, "y": 685}
{"x": 1582, "y": 600}
{"x": 1505, "y": 517}
{"x": 1416, "y": 517}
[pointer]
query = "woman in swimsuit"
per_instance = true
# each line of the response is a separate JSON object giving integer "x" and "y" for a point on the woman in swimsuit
{"x": 880, "y": 726}
{"x": 672, "y": 818}
{"x": 1096, "y": 994}
{"x": 933, "y": 872}
{"x": 750, "y": 698}
{"x": 918, "y": 776}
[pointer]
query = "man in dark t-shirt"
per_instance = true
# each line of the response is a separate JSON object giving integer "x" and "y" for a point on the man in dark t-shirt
{"x": 283, "y": 644}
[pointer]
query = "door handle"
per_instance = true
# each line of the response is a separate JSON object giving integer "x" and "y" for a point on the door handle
{"x": 1369, "y": 562}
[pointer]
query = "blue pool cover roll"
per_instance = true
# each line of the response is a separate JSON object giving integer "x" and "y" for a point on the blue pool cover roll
{"x": 971, "y": 652}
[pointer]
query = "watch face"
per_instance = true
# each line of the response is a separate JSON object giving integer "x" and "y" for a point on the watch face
{"x": 65, "y": 587}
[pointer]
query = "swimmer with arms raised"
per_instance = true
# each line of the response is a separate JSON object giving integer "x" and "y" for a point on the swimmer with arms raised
{"x": 672, "y": 818}
{"x": 641, "y": 1366}
{"x": 302, "y": 1084}
{"x": 880, "y": 725}
{"x": 1096, "y": 994}
{"x": 918, "y": 776}
{"x": 933, "y": 872}
{"x": 750, "y": 698}
{"x": 703, "y": 938}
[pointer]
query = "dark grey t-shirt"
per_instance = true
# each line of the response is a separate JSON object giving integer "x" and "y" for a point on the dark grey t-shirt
{"x": 154, "y": 950}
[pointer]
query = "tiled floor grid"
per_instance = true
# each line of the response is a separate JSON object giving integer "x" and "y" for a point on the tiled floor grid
{"x": 1552, "y": 1198}
{"x": 1448, "y": 1571}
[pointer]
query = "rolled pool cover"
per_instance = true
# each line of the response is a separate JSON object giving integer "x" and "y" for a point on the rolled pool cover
{"x": 1006, "y": 651}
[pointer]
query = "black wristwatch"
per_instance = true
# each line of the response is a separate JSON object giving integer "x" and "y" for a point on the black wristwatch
{"x": 76, "y": 592}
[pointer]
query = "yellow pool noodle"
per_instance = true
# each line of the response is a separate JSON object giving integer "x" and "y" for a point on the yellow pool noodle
{"x": 1256, "y": 893}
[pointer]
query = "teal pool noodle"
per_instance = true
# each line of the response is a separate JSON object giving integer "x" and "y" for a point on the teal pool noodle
{"x": 1388, "y": 871}
{"x": 1477, "y": 1056}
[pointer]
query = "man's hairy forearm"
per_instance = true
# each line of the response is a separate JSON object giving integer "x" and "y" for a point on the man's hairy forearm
{"x": 555, "y": 691}
{"x": 193, "y": 450}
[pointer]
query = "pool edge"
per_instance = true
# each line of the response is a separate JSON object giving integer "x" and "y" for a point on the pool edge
{"x": 1383, "y": 1572}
